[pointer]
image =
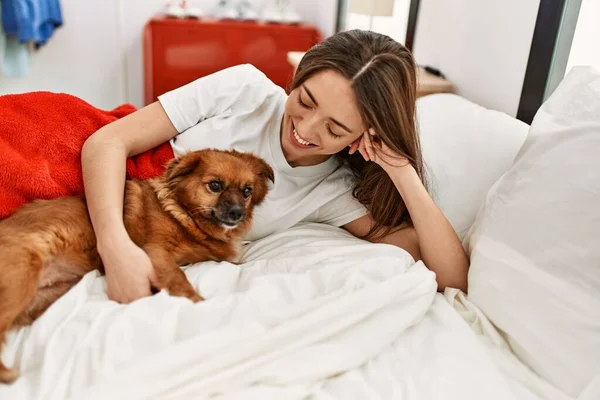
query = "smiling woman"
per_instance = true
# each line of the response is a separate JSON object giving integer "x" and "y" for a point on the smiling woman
{"x": 316, "y": 122}
{"x": 358, "y": 89}
{"x": 343, "y": 146}
{"x": 378, "y": 84}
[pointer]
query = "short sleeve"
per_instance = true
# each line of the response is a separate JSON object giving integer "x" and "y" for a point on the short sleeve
{"x": 339, "y": 211}
{"x": 210, "y": 95}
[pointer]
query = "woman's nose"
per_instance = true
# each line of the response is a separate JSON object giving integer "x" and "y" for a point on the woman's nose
{"x": 308, "y": 128}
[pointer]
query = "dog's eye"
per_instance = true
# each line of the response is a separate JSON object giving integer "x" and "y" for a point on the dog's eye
{"x": 247, "y": 191}
{"x": 215, "y": 186}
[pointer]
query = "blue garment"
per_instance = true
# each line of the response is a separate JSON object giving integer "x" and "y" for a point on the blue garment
{"x": 31, "y": 20}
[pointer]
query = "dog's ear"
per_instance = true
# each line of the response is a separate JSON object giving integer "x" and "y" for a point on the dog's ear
{"x": 265, "y": 170}
{"x": 258, "y": 166}
{"x": 182, "y": 166}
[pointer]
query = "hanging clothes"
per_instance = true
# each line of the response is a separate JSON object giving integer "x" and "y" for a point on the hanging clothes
{"x": 15, "y": 59}
{"x": 31, "y": 20}
{"x": 25, "y": 25}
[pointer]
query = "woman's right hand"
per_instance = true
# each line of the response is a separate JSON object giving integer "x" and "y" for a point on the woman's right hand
{"x": 129, "y": 272}
{"x": 128, "y": 269}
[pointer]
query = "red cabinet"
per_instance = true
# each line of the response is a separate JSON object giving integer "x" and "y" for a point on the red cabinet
{"x": 178, "y": 51}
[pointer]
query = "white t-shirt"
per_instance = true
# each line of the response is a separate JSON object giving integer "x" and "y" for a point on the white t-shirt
{"x": 240, "y": 108}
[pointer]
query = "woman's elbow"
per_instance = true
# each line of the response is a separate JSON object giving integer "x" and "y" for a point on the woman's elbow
{"x": 99, "y": 141}
{"x": 458, "y": 278}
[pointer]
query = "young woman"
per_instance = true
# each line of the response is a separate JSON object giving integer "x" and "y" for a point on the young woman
{"x": 343, "y": 145}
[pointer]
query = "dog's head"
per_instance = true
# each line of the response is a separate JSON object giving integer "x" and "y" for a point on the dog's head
{"x": 219, "y": 189}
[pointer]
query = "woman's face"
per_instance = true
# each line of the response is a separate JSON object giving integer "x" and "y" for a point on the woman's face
{"x": 321, "y": 119}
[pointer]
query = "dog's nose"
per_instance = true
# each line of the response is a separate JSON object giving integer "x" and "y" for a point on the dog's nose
{"x": 235, "y": 213}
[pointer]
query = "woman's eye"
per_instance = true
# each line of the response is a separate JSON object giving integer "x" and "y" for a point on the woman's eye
{"x": 247, "y": 192}
{"x": 215, "y": 186}
{"x": 332, "y": 133}
{"x": 302, "y": 104}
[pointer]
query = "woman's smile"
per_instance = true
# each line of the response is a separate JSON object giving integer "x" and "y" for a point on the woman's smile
{"x": 298, "y": 140}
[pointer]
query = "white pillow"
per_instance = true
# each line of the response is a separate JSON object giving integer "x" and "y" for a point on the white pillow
{"x": 466, "y": 149}
{"x": 535, "y": 246}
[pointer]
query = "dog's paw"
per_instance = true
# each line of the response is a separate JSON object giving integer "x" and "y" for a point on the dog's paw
{"x": 8, "y": 375}
{"x": 196, "y": 298}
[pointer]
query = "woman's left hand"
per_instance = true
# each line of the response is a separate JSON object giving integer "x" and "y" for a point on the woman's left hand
{"x": 373, "y": 149}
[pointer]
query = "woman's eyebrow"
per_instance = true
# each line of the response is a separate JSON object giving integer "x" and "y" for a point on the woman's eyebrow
{"x": 312, "y": 98}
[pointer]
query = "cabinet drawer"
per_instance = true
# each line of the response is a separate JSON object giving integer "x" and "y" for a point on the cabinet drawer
{"x": 177, "y": 51}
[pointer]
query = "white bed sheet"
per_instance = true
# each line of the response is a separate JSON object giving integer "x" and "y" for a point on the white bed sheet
{"x": 525, "y": 383}
{"x": 312, "y": 313}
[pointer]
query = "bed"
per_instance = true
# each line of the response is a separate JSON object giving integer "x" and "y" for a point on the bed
{"x": 314, "y": 313}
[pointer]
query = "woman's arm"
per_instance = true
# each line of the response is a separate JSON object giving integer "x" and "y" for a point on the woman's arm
{"x": 432, "y": 239}
{"x": 443, "y": 257}
{"x": 440, "y": 248}
{"x": 128, "y": 268}
{"x": 406, "y": 237}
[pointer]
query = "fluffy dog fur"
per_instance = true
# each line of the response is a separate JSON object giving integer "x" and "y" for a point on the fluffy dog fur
{"x": 199, "y": 209}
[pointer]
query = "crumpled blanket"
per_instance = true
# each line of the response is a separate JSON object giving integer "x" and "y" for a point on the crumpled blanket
{"x": 41, "y": 137}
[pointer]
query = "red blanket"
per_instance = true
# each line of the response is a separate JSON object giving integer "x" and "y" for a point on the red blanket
{"x": 41, "y": 136}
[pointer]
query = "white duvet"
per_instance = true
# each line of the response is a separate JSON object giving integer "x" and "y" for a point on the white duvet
{"x": 311, "y": 313}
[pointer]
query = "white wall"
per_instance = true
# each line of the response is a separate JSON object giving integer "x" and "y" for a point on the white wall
{"x": 394, "y": 26}
{"x": 481, "y": 46}
{"x": 585, "y": 48}
{"x": 82, "y": 58}
{"x": 97, "y": 54}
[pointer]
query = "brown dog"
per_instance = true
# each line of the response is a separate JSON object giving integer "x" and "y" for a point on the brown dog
{"x": 199, "y": 210}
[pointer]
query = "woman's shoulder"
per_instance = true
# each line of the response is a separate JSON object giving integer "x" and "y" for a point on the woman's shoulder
{"x": 243, "y": 71}
{"x": 240, "y": 87}
{"x": 228, "y": 81}
{"x": 244, "y": 74}
{"x": 246, "y": 70}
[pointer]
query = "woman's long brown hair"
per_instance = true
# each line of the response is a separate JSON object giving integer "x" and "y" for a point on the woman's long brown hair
{"x": 383, "y": 76}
